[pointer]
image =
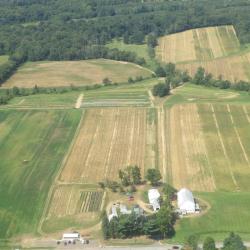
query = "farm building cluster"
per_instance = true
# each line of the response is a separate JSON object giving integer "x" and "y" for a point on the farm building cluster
{"x": 121, "y": 209}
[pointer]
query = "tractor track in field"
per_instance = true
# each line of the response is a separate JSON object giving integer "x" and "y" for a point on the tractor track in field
{"x": 224, "y": 149}
{"x": 238, "y": 136}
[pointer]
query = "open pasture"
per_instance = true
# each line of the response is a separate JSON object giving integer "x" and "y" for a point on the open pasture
{"x": 109, "y": 140}
{"x": 209, "y": 146}
{"x": 198, "y": 44}
{"x": 79, "y": 73}
{"x": 32, "y": 147}
{"x": 141, "y": 50}
{"x": 229, "y": 212}
{"x": 65, "y": 100}
{"x": 73, "y": 200}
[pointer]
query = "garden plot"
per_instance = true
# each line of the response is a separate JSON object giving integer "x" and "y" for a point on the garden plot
{"x": 72, "y": 200}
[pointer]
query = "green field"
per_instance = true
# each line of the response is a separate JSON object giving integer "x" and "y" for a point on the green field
{"x": 229, "y": 212}
{"x": 32, "y": 147}
{"x": 46, "y": 100}
{"x": 190, "y": 93}
{"x": 141, "y": 50}
{"x": 80, "y": 73}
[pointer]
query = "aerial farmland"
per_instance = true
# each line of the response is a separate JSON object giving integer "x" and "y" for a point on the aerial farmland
{"x": 103, "y": 103}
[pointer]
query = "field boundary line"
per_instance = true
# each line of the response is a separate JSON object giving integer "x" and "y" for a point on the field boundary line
{"x": 151, "y": 98}
{"x": 69, "y": 201}
{"x": 238, "y": 135}
{"x": 169, "y": 178}
{"x": 223, "y": 148}
{"x": 103, "y": 200}
{"x": 79, "y": 101}
{"x": 220, "y": 41}
{"x": 163, "y": 143}
{"x": 131, "y": 139}
{"x": 245, "y": 111}
{"x": 111, "y": 145}
{"x": 54, "y": 184}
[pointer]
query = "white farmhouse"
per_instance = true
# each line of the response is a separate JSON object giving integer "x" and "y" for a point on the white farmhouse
{"x": 153, "y": 197}
{"x": 186, "y": 203}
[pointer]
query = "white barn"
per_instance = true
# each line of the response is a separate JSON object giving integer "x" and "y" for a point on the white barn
{"x": 186, "y": 203}
{"x": 153, "y": 197}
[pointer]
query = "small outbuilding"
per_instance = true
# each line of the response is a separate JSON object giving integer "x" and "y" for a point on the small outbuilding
{"x": 153, "y": 197}
{"x": 71, "y": 237}
{"x": 186, "y": 202}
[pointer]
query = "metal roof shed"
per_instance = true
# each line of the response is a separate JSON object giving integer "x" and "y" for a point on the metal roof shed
{"x": 153, "y": 196}
{"x": 186, "y": 201}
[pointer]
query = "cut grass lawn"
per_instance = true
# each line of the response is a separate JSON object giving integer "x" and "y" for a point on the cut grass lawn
{"x": 229, "y": 212}
{"x": 32, "y": 147}
{"x": 66, "y": 73}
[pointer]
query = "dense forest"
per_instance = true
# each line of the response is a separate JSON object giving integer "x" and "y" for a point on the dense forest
{"x": 78, "y": 29}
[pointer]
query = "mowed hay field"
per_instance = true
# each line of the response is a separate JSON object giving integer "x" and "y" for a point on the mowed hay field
{"x": 227, "y": 212}
{"x": 198, "y": 44}
{"x": 111, "y": 139}
{"x": 66, "y": 73}
{"x": 208, "y": 146}
{"x": 233, "y": 68}
{"x": 32, "y": 146}
{"x": 217, "y": 49}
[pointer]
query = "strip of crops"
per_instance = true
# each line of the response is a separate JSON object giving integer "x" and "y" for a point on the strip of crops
{"x": 91, "y": 201}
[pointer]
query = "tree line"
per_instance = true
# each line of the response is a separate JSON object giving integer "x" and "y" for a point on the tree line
{"x": 201, "y": 77}
{"x": 232, "y": 242}
{"x": 63, "y": 30}
{"x": 174, "y": 78}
